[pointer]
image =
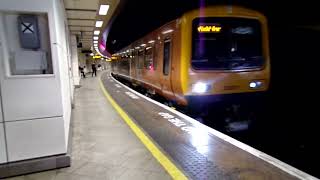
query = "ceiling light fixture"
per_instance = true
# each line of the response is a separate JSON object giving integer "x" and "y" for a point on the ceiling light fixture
{"x": 96, "y": 32}
{"x": 103, "y": 9}
{"x": 99, "y": 23}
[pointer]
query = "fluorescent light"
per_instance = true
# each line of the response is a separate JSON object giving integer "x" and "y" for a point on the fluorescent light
{"x": 95, "y": 37}
{"x": 95, "y": 42}
{"x": 95, "y": 45}
{"x": 99, "y": 23}
{"x": 96, "y": 32}
{"x": 103, "y": 9}
{"x": 151, "y": 41}
{"x": 167, "y": 31}
{"x": 143, "y": 45}
{"x": 148, "y": 48}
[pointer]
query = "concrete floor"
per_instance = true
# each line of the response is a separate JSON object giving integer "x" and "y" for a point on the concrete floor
{"x": 103, "y": 146}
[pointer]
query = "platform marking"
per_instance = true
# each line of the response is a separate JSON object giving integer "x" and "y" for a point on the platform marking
{"x": 117, "y": 85}
{"x": 177, "y": 122}
{"x": 133, "y": 96}
{"x": 281, "y": 165}
{"x": 169, "y": 166}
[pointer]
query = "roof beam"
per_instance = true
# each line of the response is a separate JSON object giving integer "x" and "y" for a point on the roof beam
{"x": 88, "y": 10}
{"x": 80, "y": 26}
{"x": 80, "y": 30}
{"x": 80, "y": 19}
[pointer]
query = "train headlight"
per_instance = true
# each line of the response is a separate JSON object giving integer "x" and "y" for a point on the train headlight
{"x": 200, "y": 87}
{"x": 255, "y": 84}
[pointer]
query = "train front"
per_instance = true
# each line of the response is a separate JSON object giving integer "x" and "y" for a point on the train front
{"x": 224, "y": 56}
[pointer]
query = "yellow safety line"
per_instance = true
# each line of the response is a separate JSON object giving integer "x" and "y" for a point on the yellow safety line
{"x": 174, "y": 172}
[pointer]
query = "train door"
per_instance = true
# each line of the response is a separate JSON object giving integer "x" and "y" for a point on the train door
{"x": 140, "y": 63}
{"x": 132, "y": 68}
{"x": 166, "y": 87}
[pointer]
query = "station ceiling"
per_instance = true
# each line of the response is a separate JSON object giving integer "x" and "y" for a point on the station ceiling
{"x": 138, "y": 17}
{"x": 82, "y": 16}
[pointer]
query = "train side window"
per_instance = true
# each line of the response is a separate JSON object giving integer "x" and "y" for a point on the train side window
{"x": 166, "y": 56}
{"x": 148, "y": 60}
{"x": 140, "y": 59}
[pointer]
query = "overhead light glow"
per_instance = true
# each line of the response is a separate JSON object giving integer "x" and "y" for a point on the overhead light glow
{"x": 99, "y": 23}
{"x": 95, "y": 42}
{"x": 95, "y": 37}
{"x": 103, "y": 9}
{"x": 96, "y": 32}
{"x": 151, "y": 41}
{"x": 143, "y": 45}
{"x": 167, "y": 31}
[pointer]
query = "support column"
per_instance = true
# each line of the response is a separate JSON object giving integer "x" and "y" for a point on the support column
{"x": 75, "y": 61}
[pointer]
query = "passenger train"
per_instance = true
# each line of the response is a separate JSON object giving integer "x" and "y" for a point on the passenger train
{"x": 208, "y": 55}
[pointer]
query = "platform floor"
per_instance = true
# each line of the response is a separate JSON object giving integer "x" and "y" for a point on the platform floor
{"x": 103, "y": 146}
{"x": 201, "y": 152}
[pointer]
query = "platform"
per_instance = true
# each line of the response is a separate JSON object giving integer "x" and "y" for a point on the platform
{"x": 103, "y": 146}
{"x": 199, "y": 151}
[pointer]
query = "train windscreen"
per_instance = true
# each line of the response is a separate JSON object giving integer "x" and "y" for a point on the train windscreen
{"x": 225, "y": 43}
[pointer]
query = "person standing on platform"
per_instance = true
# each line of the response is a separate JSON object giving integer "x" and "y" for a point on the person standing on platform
{"x": 94, "y": 69}
{"x": 82, "y": 72}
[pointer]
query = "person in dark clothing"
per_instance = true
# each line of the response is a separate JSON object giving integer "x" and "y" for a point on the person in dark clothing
{"x": 94, "y": 69}
{"x": 81, "y": 69}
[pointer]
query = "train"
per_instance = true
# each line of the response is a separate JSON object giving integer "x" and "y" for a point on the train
{"x": 208, "y": 55}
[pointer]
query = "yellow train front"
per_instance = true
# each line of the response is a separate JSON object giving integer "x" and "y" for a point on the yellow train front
{"x": 224, "y": 56}
{"x": 208, "y": 55}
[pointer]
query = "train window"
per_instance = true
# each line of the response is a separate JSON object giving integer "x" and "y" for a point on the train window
{"x": 166, "y": 56}
{"x": 148, "y": 61}
{"x": 226, "y": 44}
{"x": 140, "y": 59}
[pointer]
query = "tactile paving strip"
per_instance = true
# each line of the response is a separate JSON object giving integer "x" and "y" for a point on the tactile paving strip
{"x": 197, "y": 165}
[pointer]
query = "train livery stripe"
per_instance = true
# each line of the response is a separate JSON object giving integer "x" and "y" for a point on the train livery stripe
{"x": 168, "y": 165}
